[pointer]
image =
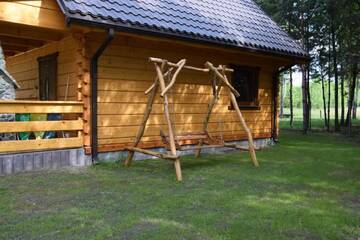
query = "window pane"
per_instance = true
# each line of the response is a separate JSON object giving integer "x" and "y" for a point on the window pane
{"x": 245, "y": 81}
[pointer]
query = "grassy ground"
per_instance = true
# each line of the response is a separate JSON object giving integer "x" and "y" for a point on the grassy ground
{"x": 306, "y": 188}
{"x": 317, "y": 121}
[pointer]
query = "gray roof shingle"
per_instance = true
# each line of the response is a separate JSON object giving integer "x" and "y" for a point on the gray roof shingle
{"x": 231, "y": 22}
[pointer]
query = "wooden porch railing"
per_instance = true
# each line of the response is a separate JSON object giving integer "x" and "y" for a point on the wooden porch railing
{"x": 60, "y": 107}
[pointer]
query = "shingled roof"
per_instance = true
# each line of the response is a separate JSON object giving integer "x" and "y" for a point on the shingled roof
{"x": 238, "y": 23}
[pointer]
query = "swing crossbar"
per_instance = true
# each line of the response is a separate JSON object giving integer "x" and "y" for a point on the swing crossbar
{"x": 206, "y": 70}
{"x": 152, "y": 153}
{"x": 225, "y": 145}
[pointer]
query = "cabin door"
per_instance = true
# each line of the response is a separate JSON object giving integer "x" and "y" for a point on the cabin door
{"x": 48, "y": 77}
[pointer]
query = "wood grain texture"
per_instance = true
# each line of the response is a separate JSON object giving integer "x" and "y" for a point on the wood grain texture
{"x": 40, "y": 144}
{"x": 125, "y": 74}
{"x": 40, "y": 107}
{"x": 33, "y": 126}
{"x": 42, "y": 13}
{"x": 111, "y": 147}
{"x": 24, "y": 68}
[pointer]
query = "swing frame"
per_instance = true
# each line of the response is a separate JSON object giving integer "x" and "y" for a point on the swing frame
{"x": 164, "y": 69}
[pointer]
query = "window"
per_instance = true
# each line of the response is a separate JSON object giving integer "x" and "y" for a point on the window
{"x": 246, "y": 81}
{"x": 48, "y": 77}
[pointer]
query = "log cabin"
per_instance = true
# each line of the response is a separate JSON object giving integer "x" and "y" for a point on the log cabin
{"x": 88, "y": 60}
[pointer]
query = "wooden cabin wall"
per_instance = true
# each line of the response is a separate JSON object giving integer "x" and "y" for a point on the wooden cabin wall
{"x": 125, "y": 73}
{"x": 37, "y": 13}
{"x": 24, "y": 68}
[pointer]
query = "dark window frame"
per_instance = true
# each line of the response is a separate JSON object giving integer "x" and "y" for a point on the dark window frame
{"x": 48, "y": 96}
{"x": 254, "y": 103}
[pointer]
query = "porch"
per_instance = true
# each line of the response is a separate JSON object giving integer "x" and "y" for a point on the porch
{"x": 42, "y": 112}
{"x": 45, "y": 134}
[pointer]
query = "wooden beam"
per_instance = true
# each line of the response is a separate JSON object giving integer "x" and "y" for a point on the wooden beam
{"x": 9, "y": 53}
{"x": 152, "y": 153}
{"x": 202, "y": 147}
{"x": 247, "y": 130}
{"x": 22, "y": 42}
{"x": 159, "y": 60}
{"x": 213, "y": 100}
{"x": 237, "y": 146}
{"x": 37, "y": 14}
{"x": 146, "y": 116}
{"x": 222, "y": 77}
{"x": 14, "y": 48}
{"x": 160, "y": 74}
{"x": 180, "y": 65}
{"x": 30, "y": 32}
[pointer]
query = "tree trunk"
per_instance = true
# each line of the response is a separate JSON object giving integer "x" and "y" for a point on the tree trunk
{"x": 308, "y": 95}
{"x": 324, "y": 100}
{"x": 354, "y": 115}
{"x": 342, "y": 121}
{"x": 282, "y": 96}
{"x": 333, "y": 42}
{"x": 351, "y": 96}
{"x": 329, "y": 92}
{"x": 291, "y": 100}
{"x": 305, "y": 100}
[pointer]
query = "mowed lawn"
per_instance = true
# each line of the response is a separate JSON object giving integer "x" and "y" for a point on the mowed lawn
{"x": 308, "y": 187}
{"x": 317, "y": 121}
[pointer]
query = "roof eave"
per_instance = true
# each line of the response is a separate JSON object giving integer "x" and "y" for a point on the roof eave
{"x": 140, "y": 30}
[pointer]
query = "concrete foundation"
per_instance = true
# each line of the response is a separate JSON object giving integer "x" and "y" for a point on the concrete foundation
{"x": 121, "y": 155}
{"x": 35, "y": 161}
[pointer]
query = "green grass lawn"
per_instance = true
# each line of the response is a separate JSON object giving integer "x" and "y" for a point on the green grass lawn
{"x": 306, "y": 188}
{"x": 317, "y": 119}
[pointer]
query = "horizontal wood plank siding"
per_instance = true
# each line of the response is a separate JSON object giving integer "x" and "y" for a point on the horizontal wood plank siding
{"x": 25, "y": 69}
{"x": 125, "y": 73}
{"x": 39, "y": 13}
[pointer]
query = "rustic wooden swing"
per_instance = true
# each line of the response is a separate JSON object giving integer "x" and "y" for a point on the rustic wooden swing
{"x": 164, "y": 70}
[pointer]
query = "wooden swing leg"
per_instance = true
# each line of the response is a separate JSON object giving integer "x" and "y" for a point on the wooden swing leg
{"x": 206, "y": 122}
{"x": 213, "y": 99}
{"x": 169, "y": 123}
{"x": 198, "y": 151}
{"x": 129, "y": 158}
{"x": 247, "y": 130}
{"x": 141, "y": 130}
{"x": 172, "y": 140}
{"x": 178, "y": 170}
